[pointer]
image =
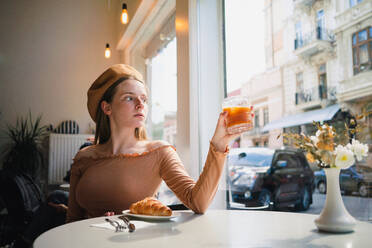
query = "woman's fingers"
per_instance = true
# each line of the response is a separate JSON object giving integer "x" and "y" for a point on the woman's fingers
{"x": 222, "y": 119}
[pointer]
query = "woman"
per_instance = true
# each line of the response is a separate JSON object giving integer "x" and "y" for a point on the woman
{"x": 123, "y": 166}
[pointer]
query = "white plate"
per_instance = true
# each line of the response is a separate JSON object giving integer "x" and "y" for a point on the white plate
{"x": 151, "y": 217}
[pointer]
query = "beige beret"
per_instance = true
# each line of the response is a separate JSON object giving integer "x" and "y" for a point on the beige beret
{"x": 103, "y": 82}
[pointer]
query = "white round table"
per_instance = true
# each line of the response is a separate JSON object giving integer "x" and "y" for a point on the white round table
{"x": 216, "y": 228}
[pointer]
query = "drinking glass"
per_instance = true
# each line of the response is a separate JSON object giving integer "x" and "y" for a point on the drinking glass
{"x": 240, "y": 115}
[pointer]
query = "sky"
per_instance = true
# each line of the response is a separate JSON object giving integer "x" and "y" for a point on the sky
{"x": 245, "y": 56}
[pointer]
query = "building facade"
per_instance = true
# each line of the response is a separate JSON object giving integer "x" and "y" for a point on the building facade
{"x": 322, "y": 53}
{"x": 265, "y": 93}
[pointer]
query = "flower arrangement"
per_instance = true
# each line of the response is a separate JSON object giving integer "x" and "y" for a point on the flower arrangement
{"x": 323, "y": 149}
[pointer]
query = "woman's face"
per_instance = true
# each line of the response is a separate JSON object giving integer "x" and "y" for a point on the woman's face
{"x": 129, "y": 104}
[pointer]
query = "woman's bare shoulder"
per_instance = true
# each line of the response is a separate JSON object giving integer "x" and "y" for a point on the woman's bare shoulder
{"x": 155, "y": 144}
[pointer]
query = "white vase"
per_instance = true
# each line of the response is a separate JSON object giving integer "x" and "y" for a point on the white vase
{"x": 334, "y": 216}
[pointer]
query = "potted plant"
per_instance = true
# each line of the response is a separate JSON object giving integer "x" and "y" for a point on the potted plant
{"x": 24, "y": 148}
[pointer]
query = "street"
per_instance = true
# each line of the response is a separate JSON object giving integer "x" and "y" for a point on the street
{"x": 359, "y": 207}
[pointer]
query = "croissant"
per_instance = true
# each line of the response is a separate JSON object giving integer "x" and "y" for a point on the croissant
{"x": 150, "y": 206}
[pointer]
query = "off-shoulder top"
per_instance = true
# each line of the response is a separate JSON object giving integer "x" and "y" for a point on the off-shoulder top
{"x": 102, "y": 182}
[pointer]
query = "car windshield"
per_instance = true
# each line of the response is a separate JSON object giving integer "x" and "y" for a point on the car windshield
{"x": 260, "y": 158}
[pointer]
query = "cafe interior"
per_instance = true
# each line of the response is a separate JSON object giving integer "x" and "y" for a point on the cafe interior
{"x": 51, "y": 52}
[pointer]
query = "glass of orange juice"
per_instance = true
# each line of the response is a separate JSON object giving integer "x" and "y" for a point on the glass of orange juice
{"x": 240, "y": 114}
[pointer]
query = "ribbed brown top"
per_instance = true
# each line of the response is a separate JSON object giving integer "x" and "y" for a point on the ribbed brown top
{"x": 102, "y": 182}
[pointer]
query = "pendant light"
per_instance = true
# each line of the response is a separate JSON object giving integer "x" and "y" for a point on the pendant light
{"x": 107, "y": 51}
{"x": 124, "y": 14}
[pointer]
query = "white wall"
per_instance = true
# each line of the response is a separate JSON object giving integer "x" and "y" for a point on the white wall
{"x": 50, "y": 53}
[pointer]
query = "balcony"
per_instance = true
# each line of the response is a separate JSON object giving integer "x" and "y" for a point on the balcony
{"x": 319, "y": 40}
{"x": 316, "y": 96}
{"x": 303, "y": 5}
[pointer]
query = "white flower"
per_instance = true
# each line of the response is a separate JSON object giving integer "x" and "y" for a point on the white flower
{"x": 360, "y": 150}
{"x": 344, "y": 157}
{"x": 318, "y": 133}
{"x": 314, "y": 139}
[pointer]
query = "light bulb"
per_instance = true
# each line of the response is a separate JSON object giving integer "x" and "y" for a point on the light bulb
{"x": 124, "y": 14}
{"x": 107, "y": 51}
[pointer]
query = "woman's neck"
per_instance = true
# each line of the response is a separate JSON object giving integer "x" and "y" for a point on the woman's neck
{"x": 122, "y": 141}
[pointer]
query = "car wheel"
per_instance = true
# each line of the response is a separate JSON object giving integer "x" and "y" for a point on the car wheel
{"x": 322, "y": 187}
{"x": 264, "y": 198}
{"x": 305, "y": 200}
{"x": 363, "y": 190}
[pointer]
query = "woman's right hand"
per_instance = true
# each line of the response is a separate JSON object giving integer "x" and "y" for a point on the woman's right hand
{"x": 221, "y": 137}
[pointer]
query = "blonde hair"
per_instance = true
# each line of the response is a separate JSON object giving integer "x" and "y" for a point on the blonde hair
{"x": 103, "y": 131}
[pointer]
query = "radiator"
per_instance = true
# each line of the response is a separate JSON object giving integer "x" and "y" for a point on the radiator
{"x": 62, "y": 149}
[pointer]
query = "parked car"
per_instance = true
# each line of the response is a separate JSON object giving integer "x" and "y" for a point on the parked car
{"x": 353, "y": 179}
{"x": 260, "y": 176}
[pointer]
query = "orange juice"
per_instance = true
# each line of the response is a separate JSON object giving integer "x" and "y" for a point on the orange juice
{"x": 239, "y": 118}
{"x": 238, "y": 115}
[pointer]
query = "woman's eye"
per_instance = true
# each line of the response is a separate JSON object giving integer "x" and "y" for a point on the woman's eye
{"x": 128, "y": 98}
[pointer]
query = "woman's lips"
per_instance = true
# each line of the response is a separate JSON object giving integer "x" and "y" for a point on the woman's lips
{"x": 139, "y": 115}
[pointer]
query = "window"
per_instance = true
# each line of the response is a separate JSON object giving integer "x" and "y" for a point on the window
{"x": 322, "y": 74}
{"x": 300, "y": 95}
{"x": 299, "y": 82}
{"x": 320, "y": 24}
{"x": 266, "y": 115}
{"x": 256, "y": 118}
{"x": 164, "y": 103}
{"x": 354, "y": 2}
{"x": 362, "y": 50}
{"x": 310, "y": 75}
{"x": 163, "y": 84}
{"x": 298, "y": 30}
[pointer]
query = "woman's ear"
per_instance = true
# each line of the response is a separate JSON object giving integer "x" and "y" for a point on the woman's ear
{"x": 106, "y": 108}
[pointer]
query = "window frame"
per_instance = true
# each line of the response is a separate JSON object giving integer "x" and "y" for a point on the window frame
{"x": 266, "y": 118}
{"x": 257, "y": 118}
{"x": 353, "y": 3}
{"x": 355, "y": 48}
{"x": 322, "y": 85}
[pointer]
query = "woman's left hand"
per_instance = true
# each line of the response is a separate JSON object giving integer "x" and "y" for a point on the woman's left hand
{"x": 109, "y": 213}
{"x": 221, "y": 137}
{"x": 62, "y": 208}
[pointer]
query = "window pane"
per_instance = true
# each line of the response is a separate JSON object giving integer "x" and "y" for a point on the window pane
{"x": 305, "y": 89}
{"x": 322, "y": 68}
{"x": 299, "y": 82}
{"x": 256, "y": 118}
{"x": 354, "y": 39}
{"x": 354, "y": 2}
{"x": 163, "y": 87}
{"x": 266, "y": 116}
{"x": 242, "y": 51}
{"x": 363, "y": 54}
{"x": 362, "y": 35}
{"x": 164, "y": 102}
